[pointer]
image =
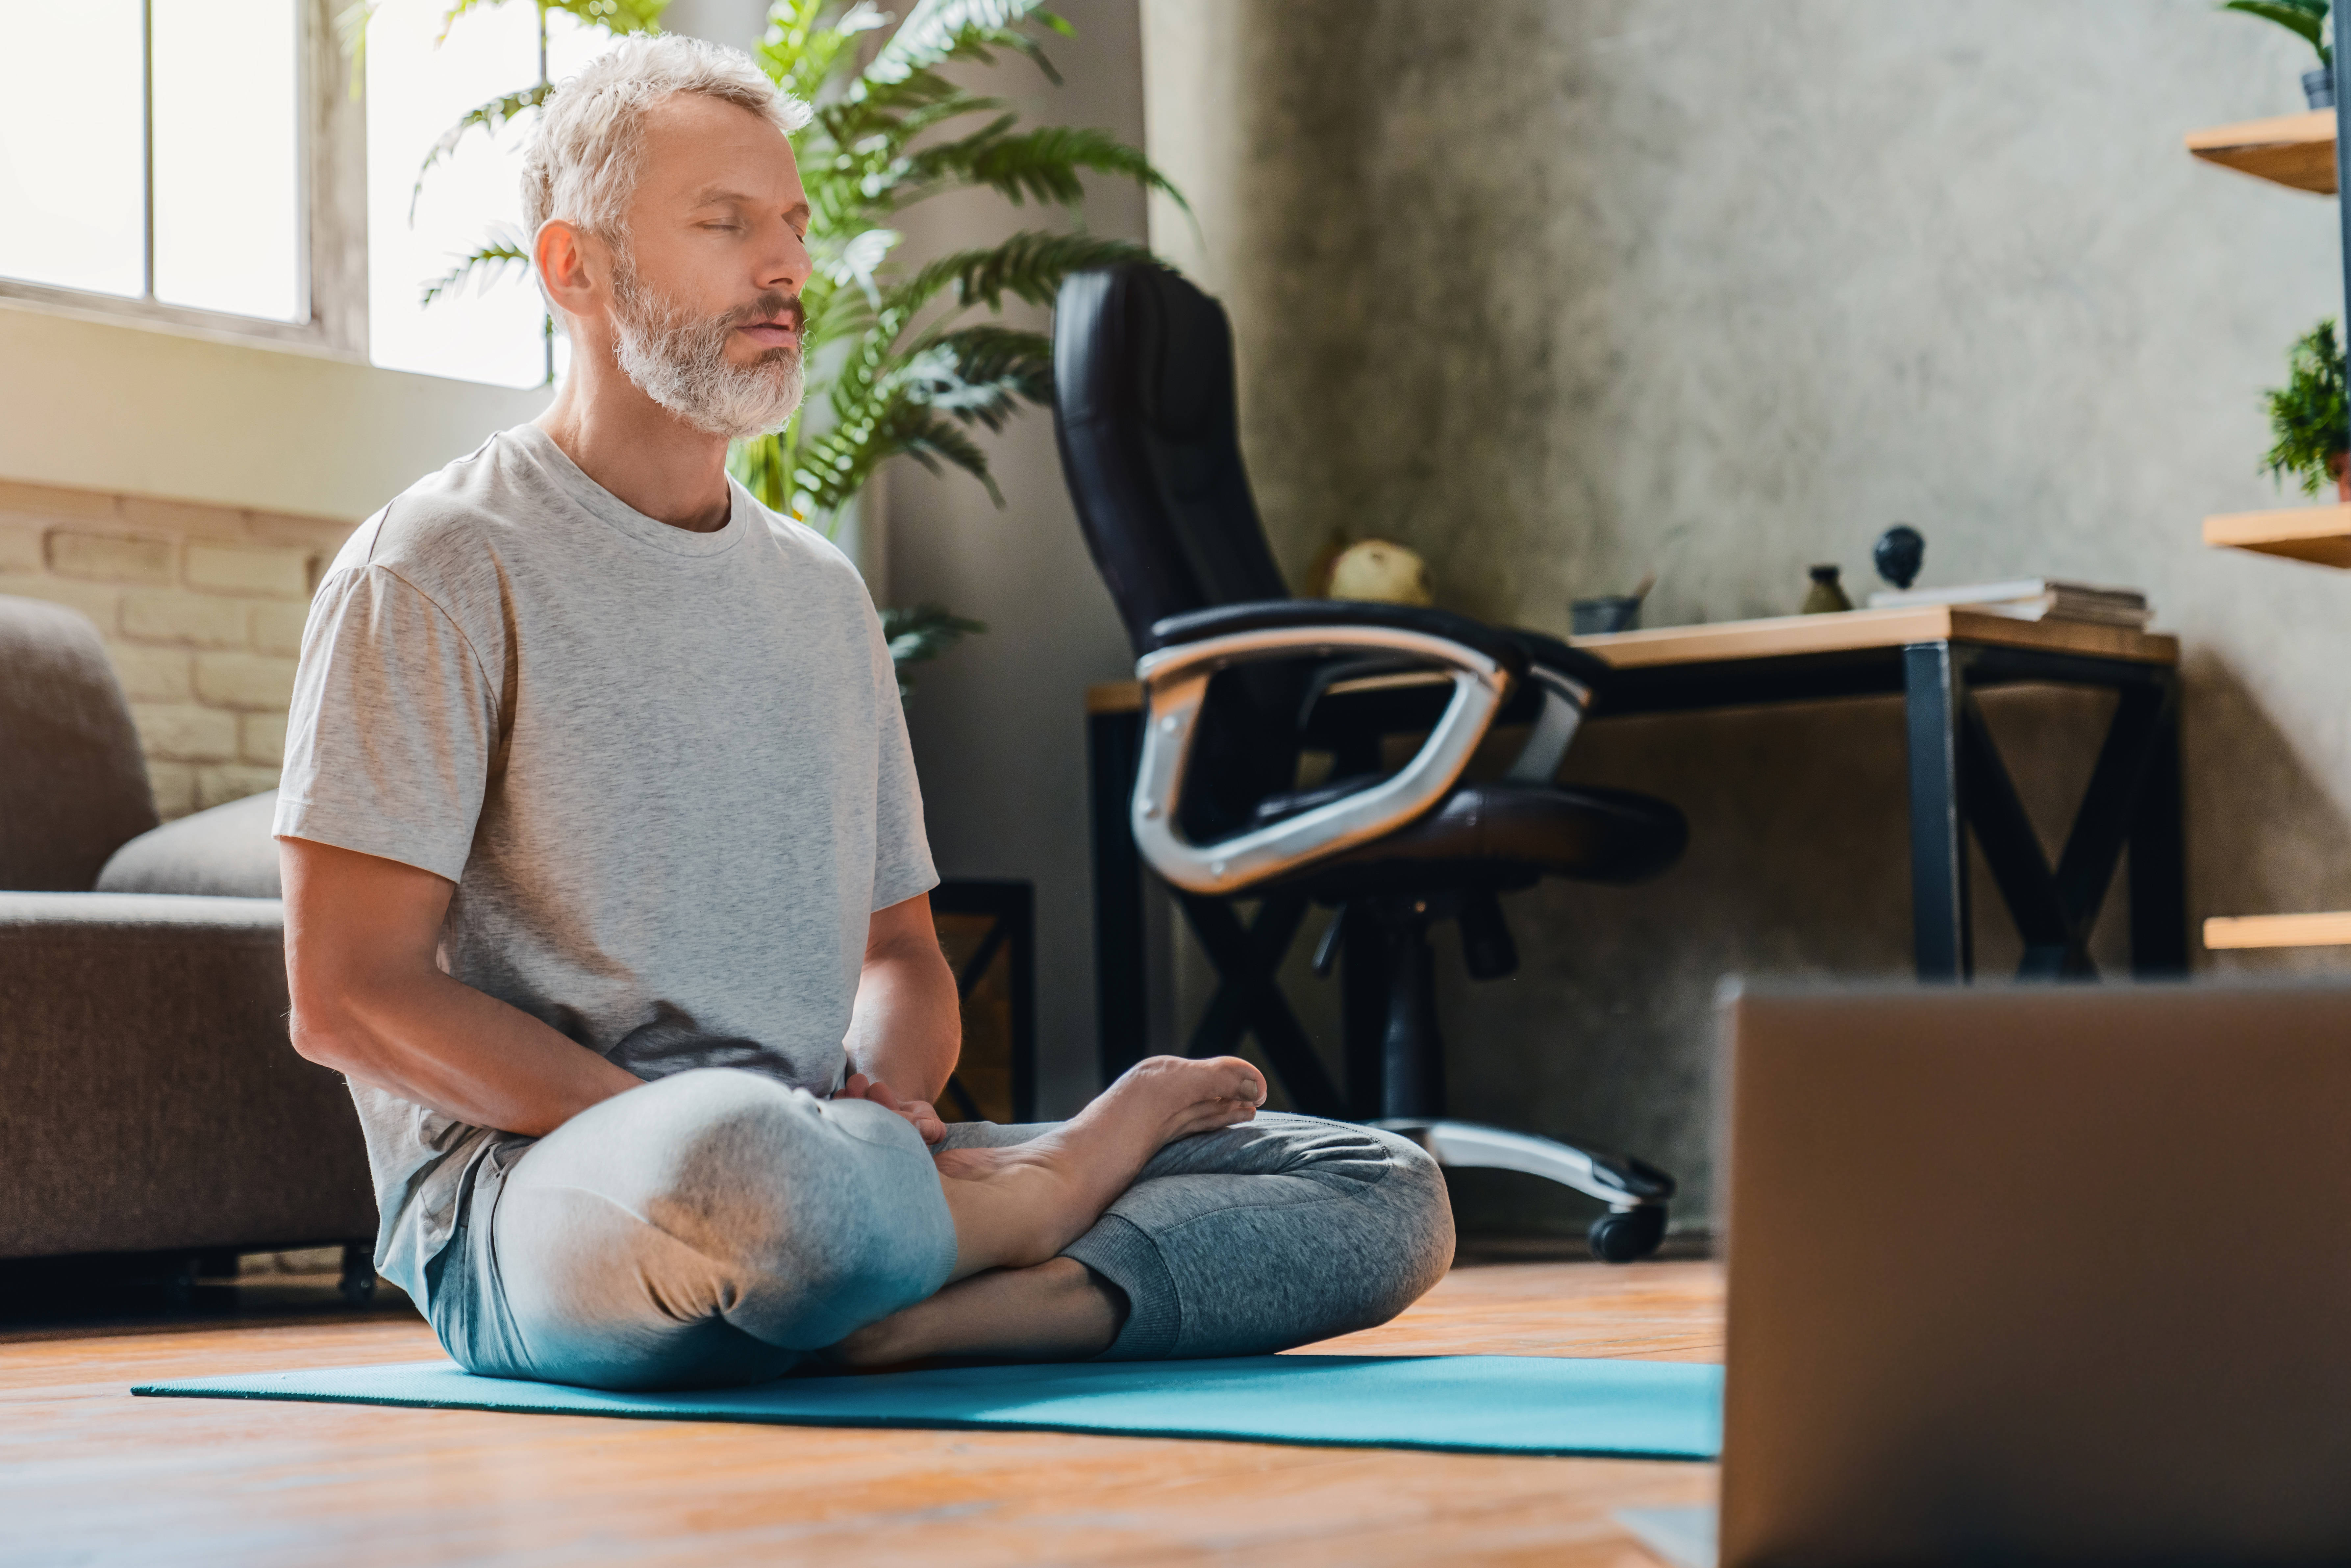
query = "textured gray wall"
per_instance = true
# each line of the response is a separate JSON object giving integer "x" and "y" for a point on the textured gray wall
{"x": 1562, "y": 291}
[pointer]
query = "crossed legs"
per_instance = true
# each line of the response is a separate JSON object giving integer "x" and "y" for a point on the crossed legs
{"x": 717, "y": 1227}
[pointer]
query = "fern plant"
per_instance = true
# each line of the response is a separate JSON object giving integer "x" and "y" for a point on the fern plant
{"x": 2310, "y": 415}
{"x": 897, "y": 363}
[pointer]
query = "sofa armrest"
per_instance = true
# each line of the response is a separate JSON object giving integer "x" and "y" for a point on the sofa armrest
{"x": 154, "y": 1100}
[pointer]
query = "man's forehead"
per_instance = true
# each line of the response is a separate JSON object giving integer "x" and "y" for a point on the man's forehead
{"x": 709, "y": 149}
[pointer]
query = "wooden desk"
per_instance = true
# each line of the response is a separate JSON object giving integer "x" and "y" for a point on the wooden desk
{"x": 1936, "y": 659}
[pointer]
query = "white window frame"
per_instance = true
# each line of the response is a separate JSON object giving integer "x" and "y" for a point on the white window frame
{"x": 330, "y": 144}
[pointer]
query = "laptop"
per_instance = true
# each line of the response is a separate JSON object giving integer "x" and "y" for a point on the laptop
{"x": 2057, "y": 1275}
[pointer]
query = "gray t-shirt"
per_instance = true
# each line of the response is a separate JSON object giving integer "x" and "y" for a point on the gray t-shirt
{"x": 666, "y": 771}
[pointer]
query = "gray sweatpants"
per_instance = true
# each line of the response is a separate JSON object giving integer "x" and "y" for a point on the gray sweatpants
{"x": 713, "y": 1228}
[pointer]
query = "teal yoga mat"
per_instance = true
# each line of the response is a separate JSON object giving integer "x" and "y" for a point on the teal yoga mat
{"x": 1463, "y": 1404}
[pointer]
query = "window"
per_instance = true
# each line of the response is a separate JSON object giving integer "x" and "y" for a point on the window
{"x": 424, "y": 73}
{"x": 157, "y": 154}
{"x": 207, "y": 163}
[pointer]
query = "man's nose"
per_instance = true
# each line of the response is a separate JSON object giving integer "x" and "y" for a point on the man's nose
{"x": 788, "y": 267}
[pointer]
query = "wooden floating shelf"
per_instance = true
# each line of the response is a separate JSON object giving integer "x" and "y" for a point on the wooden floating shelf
{"x": 2321, "y": 534}
{"x": 2326, "y": 930}
{"x": 2295, "y": 150}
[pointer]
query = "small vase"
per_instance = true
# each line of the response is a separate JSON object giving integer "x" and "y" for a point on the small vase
{"x": 1825, "y": 597}
{"x": 2318, "y": 88}
{"x": 2336, "y": 465}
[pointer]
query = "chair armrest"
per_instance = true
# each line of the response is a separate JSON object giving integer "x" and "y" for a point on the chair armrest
{"x": 154, "y": 1100}
{"x": 1483, "y": 666}
{"x": 1546, "y": 652}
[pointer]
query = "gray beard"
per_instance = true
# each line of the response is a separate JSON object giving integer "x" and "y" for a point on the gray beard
{"x": 680, "y": 361}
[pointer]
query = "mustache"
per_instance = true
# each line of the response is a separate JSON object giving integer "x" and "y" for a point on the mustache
{"x": 772, "y": 306}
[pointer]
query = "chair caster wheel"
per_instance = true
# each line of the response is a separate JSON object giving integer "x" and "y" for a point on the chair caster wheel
{"x": 1623, "y": 1235}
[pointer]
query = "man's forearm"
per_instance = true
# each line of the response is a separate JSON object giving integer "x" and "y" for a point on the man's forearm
{"x": 907, "y": 1028}
{"x": 444, "y": 1044}
{"x": 370, "y": 1001}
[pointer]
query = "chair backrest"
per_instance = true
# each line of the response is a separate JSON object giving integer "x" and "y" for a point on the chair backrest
{"x": 1144, "y": 412}
{"x": 73, "y": 786}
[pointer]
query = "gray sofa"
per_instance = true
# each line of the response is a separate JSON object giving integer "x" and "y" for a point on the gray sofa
{"x": 152, "y": 1103}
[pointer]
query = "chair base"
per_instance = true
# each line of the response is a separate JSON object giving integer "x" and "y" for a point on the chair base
{"x": 1636, "y": 1193}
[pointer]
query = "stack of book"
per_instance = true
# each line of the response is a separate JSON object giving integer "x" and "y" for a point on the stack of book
{"x": 2032, "y": 598}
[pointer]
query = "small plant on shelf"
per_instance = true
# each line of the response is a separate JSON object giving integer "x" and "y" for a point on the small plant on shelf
{"x": 2310, "y": 415}
{"x": 2306, "y": 20}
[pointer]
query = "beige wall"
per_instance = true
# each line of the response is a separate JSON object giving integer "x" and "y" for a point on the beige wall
{"x": 1561, "y": 291}
{"x": 142, "y": 411}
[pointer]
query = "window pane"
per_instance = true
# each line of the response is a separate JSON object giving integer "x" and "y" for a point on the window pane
{"x": 491, "y": 330}
{"x": 72, "y": 170}
{"x": 228, "y": 187}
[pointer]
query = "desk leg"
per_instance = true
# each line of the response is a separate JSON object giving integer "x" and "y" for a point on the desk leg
{"x": 2158, "y": 856}
{"x": 1941, "y": 934}
{"x": 1121, "y": 1017}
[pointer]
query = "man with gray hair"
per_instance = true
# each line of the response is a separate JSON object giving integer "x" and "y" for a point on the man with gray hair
{"x": 606, "y": 884}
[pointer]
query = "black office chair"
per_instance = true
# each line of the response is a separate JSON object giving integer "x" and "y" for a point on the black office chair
{"x": 1240, "y": 681}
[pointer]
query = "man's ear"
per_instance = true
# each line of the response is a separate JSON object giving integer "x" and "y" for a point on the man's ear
{"x": 572, "y": 267}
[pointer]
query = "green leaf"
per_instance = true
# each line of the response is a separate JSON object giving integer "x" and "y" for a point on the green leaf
{"x": 482, "y": 267}
{"x": 760, "y": 467}
{"x": 489, "y": 118}
{"x": 937, "y": 31}
{"x": 854, "y": 261}
{"x": 2310, "y": 415}
{"x": 2304, "y": 18}
{"x": 919, "y": 633}
{"x": 1043, "y": 163}
{"x": 614, "y": 16}
{"x": 801, "y": 51}
{"x": 1030, "y": 265}
{"x": 981, "y": 374}
{"x": 930, "y": 441}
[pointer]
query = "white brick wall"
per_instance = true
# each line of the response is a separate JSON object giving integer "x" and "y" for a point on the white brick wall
{"x": 201, "y": 608}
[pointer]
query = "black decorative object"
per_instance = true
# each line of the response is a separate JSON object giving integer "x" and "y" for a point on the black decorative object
{"x": 1826, "y": 596}
{"x": 1901, "y": 551}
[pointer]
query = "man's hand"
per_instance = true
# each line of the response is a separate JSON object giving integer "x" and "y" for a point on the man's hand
{"x": 920, "y": 1112}
{"x": 907, "y": 1025}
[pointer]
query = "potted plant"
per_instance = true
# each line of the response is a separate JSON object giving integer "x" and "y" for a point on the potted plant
{"x": 893, "y": 364}
{"x": 2306, "y": 19}
{"x": 2311, "y": 416}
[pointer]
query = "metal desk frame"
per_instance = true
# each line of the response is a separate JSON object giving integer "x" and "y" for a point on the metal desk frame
{"x": 1958, "y": 782}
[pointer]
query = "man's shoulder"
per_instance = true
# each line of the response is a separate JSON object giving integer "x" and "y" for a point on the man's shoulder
{"x": 816, "y": 558}
{"x": 453, "y": 515}
{"x": 443, "y": 536}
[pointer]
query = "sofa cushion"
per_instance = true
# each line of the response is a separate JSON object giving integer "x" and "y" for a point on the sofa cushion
{"x": 73, "y": 787}
{"x": 225, "y": 852}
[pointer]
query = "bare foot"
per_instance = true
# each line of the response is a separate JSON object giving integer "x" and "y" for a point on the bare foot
{"x": 1017, "y": 1207}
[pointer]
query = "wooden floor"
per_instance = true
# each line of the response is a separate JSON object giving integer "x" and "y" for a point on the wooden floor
{"x": 89, "y": 1474}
